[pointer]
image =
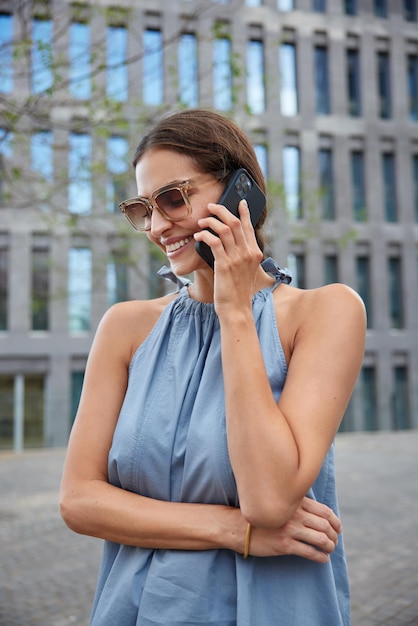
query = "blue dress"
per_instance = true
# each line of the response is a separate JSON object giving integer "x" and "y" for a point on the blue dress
{"x": 170, "y": 444}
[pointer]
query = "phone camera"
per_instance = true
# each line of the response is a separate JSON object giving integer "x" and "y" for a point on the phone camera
{"x": 243, "y": 185}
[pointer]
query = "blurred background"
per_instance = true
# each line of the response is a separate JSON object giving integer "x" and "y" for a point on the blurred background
{"x": 327, "y": 91}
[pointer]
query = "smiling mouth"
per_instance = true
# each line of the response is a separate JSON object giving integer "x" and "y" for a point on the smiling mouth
{"x": 172, "y": 247}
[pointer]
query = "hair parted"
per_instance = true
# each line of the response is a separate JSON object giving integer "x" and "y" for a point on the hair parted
{"x": 215, "y": 144}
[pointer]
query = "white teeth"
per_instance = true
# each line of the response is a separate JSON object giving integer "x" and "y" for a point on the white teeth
{"x": 171, "y": 247}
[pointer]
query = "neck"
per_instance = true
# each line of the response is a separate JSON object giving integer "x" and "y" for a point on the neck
{"x": 203, "y": 284}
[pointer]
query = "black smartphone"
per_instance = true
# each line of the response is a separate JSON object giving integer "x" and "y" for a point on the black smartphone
{"x": 240, "y": 186}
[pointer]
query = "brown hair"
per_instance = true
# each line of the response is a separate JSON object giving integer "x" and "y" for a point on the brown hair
{"x": 214, "y": 143}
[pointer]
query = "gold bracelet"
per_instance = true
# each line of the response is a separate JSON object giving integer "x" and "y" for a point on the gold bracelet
{"x": 247, "y": 541}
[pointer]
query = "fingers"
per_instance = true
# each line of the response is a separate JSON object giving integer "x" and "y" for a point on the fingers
{"x": 323, "y": 512}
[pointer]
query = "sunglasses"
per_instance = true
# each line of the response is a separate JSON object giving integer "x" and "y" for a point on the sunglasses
{"x": 172, "y": 201}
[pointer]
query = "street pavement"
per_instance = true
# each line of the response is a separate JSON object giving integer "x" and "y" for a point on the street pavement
{"x": 48, "y": 573}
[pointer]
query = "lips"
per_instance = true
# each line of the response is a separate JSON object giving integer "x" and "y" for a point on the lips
{"x": 172, "y": 247}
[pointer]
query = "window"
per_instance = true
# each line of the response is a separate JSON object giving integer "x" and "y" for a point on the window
{"x": 396, "y": 309}
{"x": 116, "y": 63}
{"x": 260, "y": 150}
{"x": 288, "y": 79}
{"x": 400, "y": 400}
{"x": 412, "y": 70}
{"x": 153, "y": 75}
{"x": 6, "y": 53}
{"x": 326, "y": 183}
{"x": 42, "y": 55}
{"x": 6, "y": 152}
{"x": 353, "y": 82}
{"x": 369, "y": 397}
{"x": 117, "y": 278}
{"x": 297, "y": 267}
{"x": 42, "y": 160}
{"x": 410, "y": 10}
{"x": 291, "y": 181}
{"x": 321, "y": 80}
{"x": 389, "y": 187}
{"x": 358, "y": 186}
{"x": 415, "y": 183}
{"x": 383, "y": 81}
{"x": 222, "y": 73}
{"x": 350, "y": 7}
{"x": 24, "y": 395}
{"x": 285, "y": 5}
{"x": 253, "y": 3}
{"x": 80, "y": 195}
{"x": 40, "y": 285}
{"x": 4, "y": 285}
{"x": 364, "y": 286}
{"x": 77, "y": 379}
{"x": 188, "y": 70}
{"x": 80, "y": 69}
{"x": 330, "y": 269}
{"x": 256, "y": 97}
{"x": 380, "y": 8}
{"x": 117, "y": 170}
{"x": 319, "y": 6}
{"x": 79, "y": 289}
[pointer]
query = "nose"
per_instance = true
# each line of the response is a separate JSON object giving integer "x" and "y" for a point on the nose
{"x": 159, "y": 223}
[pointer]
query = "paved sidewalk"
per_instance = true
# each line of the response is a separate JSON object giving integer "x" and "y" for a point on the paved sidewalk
{"x": 47, "y": 573}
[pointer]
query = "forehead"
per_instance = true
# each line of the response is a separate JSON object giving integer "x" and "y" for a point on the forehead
{"x": 159, "y": 167}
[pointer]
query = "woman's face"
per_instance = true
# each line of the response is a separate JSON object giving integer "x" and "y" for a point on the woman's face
{"x": 157, "y": 168}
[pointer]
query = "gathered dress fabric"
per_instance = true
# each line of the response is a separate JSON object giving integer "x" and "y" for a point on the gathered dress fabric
{"x": 170, "y": 444}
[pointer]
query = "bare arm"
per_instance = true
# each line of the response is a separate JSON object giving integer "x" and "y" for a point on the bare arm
{"x": 277, "y": 450}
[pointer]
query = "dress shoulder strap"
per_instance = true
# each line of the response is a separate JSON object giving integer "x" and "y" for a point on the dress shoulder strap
{"x": 270, "y": 266}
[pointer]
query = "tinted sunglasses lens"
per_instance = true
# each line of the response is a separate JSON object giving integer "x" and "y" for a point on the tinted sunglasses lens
{"x": 138, "y": 214}
{"x": 172, "y": 203}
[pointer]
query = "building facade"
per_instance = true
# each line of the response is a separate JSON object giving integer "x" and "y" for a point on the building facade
{"x": 327, "y": 90}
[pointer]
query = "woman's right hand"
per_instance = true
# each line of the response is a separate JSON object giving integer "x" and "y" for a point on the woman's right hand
{"x": 311, "y": 533}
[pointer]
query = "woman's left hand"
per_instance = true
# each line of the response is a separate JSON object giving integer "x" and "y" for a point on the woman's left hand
{"x": 236, "y": 252}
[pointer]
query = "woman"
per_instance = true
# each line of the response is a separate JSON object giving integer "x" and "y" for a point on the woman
{"x": 205, "y": 428}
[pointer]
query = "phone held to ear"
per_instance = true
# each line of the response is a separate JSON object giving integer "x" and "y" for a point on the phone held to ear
{"x": 241, "y": 186}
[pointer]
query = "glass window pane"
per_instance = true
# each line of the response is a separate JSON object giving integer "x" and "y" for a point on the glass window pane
{"x": 260, "y": 150}
{"x": 6, "y": 412}
{"x": 288, "y": 80}
{"x": 6, "y": 53}
{"x": 4, "y": 288}
{"x": 353, "y": 83}
{"x": 389, "y": 187}
{"x": 415, "y": 183}
{"x": 319, "y": 6}
{"x": 380, "y": 8}
{"x": 117, "y": 169}
{"x": 401, "y": 409}
{"x": 383, "y": 80}
{"x": 77, "y": 379}
{"x": 330, "y": 269}
{"x": 326, "y": 182}
{"x": 222, "y": 74}
{"x": 410, "y": 10}
{"x": 364, "y": 286}
{"x": 153, "y": 83}
{"x": 80, "y": 194}
{"x": 42, "y": 55}
{"x": 79, "y": 288}
{"x": 296, "y": 265}
{"x": 285, "y": 5}
{"x": 396, "y": 309}
{"x": 369, "y": 397}
{"x": 117, "y": 278}
{"x": 116, "y": 62}
{"x": 34, "y": 411}
{"x": 322, "y": 80}
{"x": 358, "y": 186}
{"x": 350, "y": 7}
{"x": 256, "y": 99}
{"x": 291, "y": 181}
{"x": 80, "y": 69}
{"x": 40, "y": 289}
{"x": 188, "y": 70}
{"x": 412, "y": 70}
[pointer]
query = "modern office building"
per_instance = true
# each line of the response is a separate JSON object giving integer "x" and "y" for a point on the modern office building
{"x": 327, "y": 90}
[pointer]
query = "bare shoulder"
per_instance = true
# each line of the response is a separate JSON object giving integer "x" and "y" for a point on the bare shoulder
{"x": 126, "y": 325}
{"x": 331, "y": 310}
